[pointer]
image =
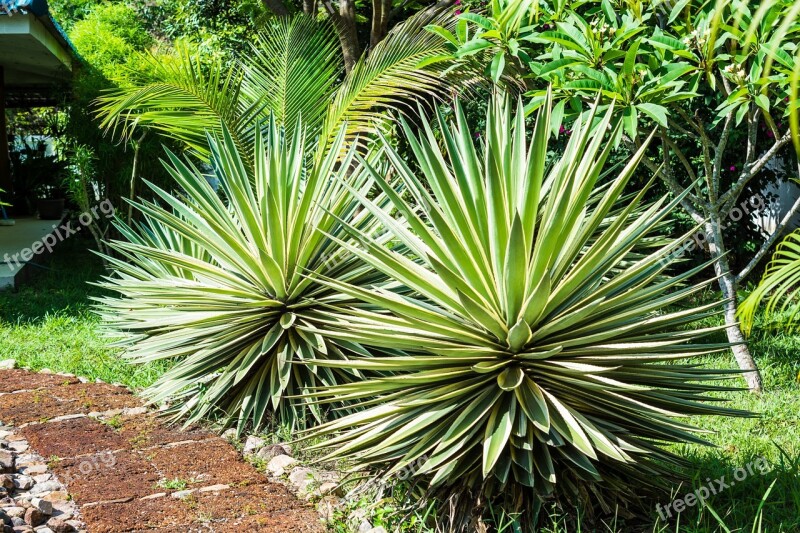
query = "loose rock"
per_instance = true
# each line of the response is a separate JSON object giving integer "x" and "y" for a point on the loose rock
{"x": 59, "y": 526}
{"x": 277, "y": 465}
{"x": 273, "y": 450}
{"x": 301, "y": 477}
{"x": 34, "y": 517}
{"x": 23, "y": 482}
{"x": 215, "y": 488}
{"x": 33, "y": 469}
{"x": 6, "y": 461}
{"x": 30, "y": 496}
{"x": 44, "y": 506}
{"x": 253, "y": 444}
{"x": 154, "y": 496}
{"x": 328, "y": 487}
{"x": 47, "y": 486}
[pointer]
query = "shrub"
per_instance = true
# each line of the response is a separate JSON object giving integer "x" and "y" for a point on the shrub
{"x": 219, "y": 283}
{"x": 540, "y": 348}
{"x": 778, "y": 287}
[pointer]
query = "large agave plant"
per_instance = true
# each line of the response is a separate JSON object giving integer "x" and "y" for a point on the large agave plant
{"x": 218, "y": 281}
{"x": 539, "y": 344}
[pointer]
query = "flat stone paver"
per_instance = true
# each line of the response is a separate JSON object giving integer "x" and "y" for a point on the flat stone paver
{"x": 96, "y": 449}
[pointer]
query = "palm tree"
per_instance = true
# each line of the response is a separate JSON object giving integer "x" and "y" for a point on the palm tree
{"x": 293, "y": 71}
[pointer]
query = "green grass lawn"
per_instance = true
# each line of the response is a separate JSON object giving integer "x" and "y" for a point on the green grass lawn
{"x": 773, "y": 435}
{"x": 49, "y": 324}
{"x": 768, "y": 502}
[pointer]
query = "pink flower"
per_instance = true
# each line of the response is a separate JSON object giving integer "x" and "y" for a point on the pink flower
{"x": 733, "y": 168}
{"x": 770, "y": 134}
{"x": 561, "y": 129}
{"x": 458, "y": 2}
{"x": 457, "y": 12}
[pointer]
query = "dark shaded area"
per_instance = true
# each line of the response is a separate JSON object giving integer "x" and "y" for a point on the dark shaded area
{"x": 59, "y": 283}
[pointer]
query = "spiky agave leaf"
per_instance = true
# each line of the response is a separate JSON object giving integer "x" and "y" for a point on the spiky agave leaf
{"x": 217, "y": 280}
{"x": 539, "y": 353}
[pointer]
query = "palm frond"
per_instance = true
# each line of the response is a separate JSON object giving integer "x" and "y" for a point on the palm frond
{"x": 392, "y": 75}
{"x": 291, "y": 71}
{"x": 779, "y": 286}
{"x": 183, "y": 96}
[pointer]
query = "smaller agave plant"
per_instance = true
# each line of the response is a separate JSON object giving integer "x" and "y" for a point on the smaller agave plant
{"x": 540, "y": 349}
{"x": 217, "y": 281}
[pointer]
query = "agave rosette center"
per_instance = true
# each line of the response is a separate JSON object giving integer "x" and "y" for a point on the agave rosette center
{"x": 217, "y": 280}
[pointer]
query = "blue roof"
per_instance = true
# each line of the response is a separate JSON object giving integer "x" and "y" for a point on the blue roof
{"x": 36, "y": 7}
{"x": 39, "y": 9}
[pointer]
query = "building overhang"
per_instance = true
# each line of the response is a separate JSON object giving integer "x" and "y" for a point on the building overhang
{"x": 35, "y": 54}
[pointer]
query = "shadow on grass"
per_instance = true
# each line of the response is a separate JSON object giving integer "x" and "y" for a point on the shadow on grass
{"x": 49, "y": 323}
{"x": 720, "y": 494}
{"x": 741, "y": 494}
{"x": 60, "y": 284}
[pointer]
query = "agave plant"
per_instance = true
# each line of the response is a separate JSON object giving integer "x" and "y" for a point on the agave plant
{"x": 218, "y": 281}
{"x": 778, "y": 287}
{"x": 540, "y": 349}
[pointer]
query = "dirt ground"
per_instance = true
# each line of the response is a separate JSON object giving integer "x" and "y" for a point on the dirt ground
{"x": 124, "y": 470}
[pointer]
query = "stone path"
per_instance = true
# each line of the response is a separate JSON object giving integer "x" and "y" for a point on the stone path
{"x": 80, "y": 456}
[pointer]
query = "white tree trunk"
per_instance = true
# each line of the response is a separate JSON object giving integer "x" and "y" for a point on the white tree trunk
{"x": 727, "y": 283}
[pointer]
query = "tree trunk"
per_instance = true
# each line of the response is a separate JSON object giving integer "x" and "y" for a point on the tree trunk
{"x": 277, "y": 7}
{"x": 348, "y": 36}
{"x": 134, "y": 171}
{"x": 381, "y": 10}
{"x": 310, "y": 7}
{"x": 727, "y": 283}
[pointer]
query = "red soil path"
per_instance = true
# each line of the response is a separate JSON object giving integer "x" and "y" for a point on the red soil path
{"x": 123, "y": 493}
